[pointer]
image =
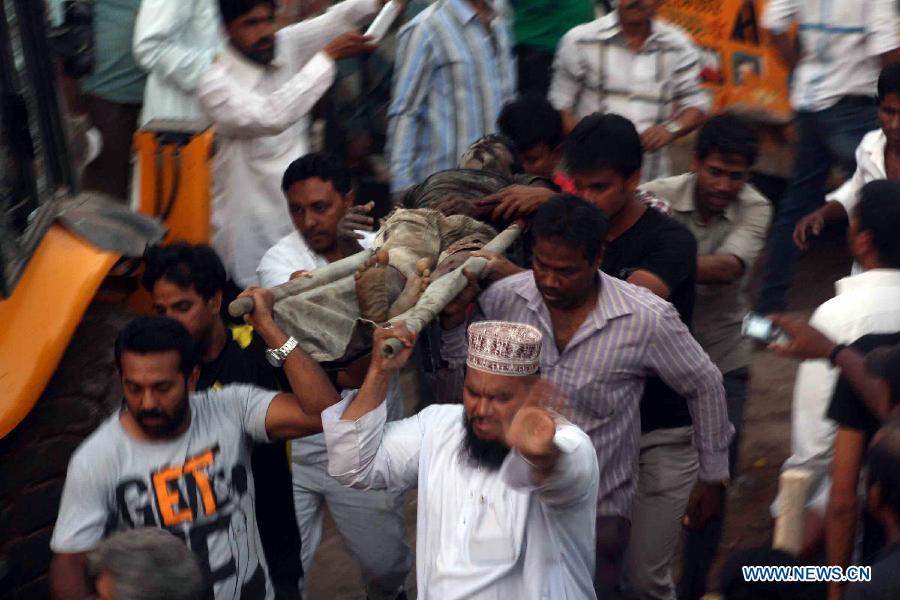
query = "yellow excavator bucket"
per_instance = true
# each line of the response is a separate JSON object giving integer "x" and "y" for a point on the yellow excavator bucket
{"x": 61, "y": 279}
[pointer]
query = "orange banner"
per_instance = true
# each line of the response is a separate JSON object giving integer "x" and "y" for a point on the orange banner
{"x": 739, "y": 65}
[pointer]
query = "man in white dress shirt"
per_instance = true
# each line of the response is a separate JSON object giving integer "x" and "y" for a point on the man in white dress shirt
{"x": 371, "y": 523}
{"x": 175, "y": 42}
{"x": 319, "y": 198}
{"x": 507, "y": 489}
{"x": 877, "y": 157}
{"x": 865, "y": 304}
{"x": 257, "y": 94}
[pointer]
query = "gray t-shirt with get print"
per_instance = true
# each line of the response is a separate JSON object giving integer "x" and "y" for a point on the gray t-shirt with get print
{"x": 198, "y": 486}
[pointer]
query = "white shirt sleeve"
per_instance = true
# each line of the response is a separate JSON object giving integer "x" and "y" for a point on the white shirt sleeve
{"x": 688, "y": 89}
{"x": 282, "y": 260}
{"x": 273, "y": 269}
{"x": 302, "y": 40}
{"x": 575, "y": 477}
{"x": 882, "y": 28}
{"x": 848, "y": 193}
{"x": 239, "y": 112}
{"x": 159, "y": 45}
{"x": 779, "y": 15}
{"x": 83, "y": 511}
{"x": 568, "y": 75}
{"x": 370, "y": 454}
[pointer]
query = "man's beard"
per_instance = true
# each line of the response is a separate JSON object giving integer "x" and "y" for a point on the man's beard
{"x": 261, "y": 55}
{"x": 489, "y": 454}
{"x": 167, "y": 424}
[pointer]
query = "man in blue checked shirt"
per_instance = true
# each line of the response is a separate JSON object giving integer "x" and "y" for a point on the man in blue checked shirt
{"x": 455, "y": 71}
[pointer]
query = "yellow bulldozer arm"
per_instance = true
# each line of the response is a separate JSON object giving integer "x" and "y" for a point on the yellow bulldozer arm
{"x": 41, "y": 316}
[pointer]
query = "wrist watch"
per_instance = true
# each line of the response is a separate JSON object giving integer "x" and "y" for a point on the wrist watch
{"x": 277, "y": 356}
{"x": 832, "y": 356}
{"x": 673, "y": 127}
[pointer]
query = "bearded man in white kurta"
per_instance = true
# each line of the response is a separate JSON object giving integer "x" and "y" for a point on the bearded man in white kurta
{"x": 507, "y": 489}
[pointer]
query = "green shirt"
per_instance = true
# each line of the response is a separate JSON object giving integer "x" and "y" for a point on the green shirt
{"x": 540, "y": 24}
{"x": 115, "y": 77}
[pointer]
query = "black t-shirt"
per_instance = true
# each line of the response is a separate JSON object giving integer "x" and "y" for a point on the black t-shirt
{"x": 664, "y": 247}
{"x": 847, "y": 409}
{"x": 243, "y": 360}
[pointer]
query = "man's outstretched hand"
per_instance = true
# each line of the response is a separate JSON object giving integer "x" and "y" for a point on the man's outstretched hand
{"x": 809, "y": 226}
{"x": 351, "y": 43}
{"x": 806, "y": 342}
{"x": 357, "y": 219}
{"x": 516, "y": 201}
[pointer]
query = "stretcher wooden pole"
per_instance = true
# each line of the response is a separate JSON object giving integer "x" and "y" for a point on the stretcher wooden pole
{"x": 441, "y": 292}
{"x": 793, "y": 491}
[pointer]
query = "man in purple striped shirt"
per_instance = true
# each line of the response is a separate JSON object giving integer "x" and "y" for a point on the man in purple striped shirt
{"x": 603, "y": 338}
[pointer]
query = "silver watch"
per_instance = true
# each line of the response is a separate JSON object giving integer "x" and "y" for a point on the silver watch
{"x": 673, "y": 127}
{"x": 277, "y": 356}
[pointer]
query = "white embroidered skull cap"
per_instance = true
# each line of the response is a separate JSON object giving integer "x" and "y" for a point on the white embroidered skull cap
{"x": 504, "y": 348}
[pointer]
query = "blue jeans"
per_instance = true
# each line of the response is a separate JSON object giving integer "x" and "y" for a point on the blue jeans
{"x": 700, "y": 546}
{"x": 827, "y": 137}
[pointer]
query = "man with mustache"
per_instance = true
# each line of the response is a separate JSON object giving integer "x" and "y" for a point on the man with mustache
{"x": 729, "y": 219}
{"x": 371, "y": 523}
{"x": 186, "y": 283}
{"x": 507, "y": 488}
{"x": 180, "y": 460}
{"x": 257, "y": 94}
{"x": 623, "y": 355}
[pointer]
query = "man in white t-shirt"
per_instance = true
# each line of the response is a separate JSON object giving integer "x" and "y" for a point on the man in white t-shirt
{"x": 317, "y": 187}
{"x": 180, "y": 460}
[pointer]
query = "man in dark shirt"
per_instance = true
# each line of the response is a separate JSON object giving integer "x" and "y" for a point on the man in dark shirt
{"x": 603, "y": 155}
{"x": 186, "y": 283}
{"x": 883, "y": 503}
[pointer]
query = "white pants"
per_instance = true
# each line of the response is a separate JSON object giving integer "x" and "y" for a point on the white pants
{"x": 668, "y": 470}
{"x": 371, "y": 524}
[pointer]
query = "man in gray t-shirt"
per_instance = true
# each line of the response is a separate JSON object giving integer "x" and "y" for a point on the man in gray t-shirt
{"x": 180, "y": 460}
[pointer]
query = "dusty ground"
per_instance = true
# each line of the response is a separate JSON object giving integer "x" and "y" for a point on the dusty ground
{"x": 764, "y": 447}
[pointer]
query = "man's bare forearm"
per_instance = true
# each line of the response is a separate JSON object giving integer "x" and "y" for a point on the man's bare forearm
{"x": 719, "y": 269}
{"x": 840, "y": 533}
{"x": 68, "y": 577}
{"x": 833, "y": 212}
{"x": 688, "y": 120}
{"x": 308, "y": 380}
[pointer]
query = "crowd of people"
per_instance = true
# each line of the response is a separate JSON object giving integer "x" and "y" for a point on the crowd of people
{"x": 571, "y": 420}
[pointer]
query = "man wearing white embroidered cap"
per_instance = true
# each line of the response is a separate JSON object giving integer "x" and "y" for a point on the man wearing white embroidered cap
{"x": 507, "y": 488}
